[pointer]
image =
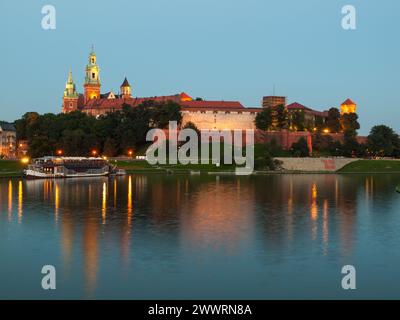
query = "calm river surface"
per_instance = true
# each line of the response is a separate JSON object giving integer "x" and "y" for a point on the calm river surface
{"x": 192, "y": 237}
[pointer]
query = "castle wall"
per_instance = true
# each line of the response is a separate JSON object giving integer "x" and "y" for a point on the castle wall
{"x": 284, "y": 138}
{"x": 220, "y": 120}
{"x": 314, "y": 164}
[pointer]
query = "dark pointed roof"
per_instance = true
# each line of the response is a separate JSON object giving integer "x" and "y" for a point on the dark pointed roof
{"x": 125, "y": 83}
{"x": 6, "y": 126}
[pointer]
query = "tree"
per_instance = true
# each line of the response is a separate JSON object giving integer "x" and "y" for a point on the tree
{"x": 281, "y": 117}
{"x": 349, "y": 124}
{"x": 298, "y": 120}
{"x": 263, "y": 119}
{"x": 351, "y": 147}
{"x": 300, "y": 148}
{"x": 333, "y": 120}
{"x": 163, "y": 112}
{"x": 383, "y": 141}
{"x": 23, "y": 124}
{"x": 321, "y": 142}
{"x": 191, "y": 125}
{"x": 40, "y": 146}
{"x": 110, "y": 148}
{"x": 77, "y": 143}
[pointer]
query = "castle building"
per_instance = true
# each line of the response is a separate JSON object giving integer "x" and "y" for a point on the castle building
{"x": 8, "y": 140}
{"x": 205, "y": 114}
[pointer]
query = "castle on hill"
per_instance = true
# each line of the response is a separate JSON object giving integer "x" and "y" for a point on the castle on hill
{"x": 205, "y": 114}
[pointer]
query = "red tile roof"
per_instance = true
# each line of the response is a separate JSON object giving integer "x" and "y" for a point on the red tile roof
{"x": 348, "y": 101}
{"x": 299, "y": 106}
{"x": 296, "y": 105}
{"x": 212, "y": 105}
{"x": 116, "y": 104}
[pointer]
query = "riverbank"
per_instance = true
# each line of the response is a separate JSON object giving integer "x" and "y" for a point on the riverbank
{"x": 9, "y": 168}
{"x": 372, "y": 166}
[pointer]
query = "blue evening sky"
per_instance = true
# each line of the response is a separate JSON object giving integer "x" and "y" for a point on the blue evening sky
{"x": 215, "y": 49}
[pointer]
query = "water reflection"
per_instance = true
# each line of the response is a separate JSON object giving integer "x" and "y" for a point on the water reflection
{"x": 176, "y": 217}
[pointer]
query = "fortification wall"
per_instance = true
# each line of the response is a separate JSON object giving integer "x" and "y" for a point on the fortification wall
{"x": 220, "y": 120}
{"x": 314, "y": 164}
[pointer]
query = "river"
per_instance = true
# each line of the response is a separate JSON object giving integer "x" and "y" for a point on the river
{"x": 160, "y": 236}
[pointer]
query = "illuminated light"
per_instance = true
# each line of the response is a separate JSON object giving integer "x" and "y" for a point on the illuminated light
{"x": 130, "y": 153}
{"x": 104, "y": 157}
{"x": 20, "y": 195}
{"x": 315, "y": 129}
{"x": 10, "y": 198}
{"x": 314, "y": 191}
{"x": 94, "y": 152}
{"x": 25, "y": 160}
{"x": 326, "y": 130}
{"x": 59, "y": 152}
{"x": 314, "y": 206}
{"x": 104, "y": 203}
{"x": 20, "y": 145}
{"x": 129, "y": 206}
{"x": 56, "y": 201}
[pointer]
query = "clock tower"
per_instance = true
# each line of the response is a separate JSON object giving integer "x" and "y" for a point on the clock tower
{"x": 92, "y": 80}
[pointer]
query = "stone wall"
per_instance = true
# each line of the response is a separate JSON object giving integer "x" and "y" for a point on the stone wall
{"x": 220, "y": 120}
{"x": 314, "y": 164}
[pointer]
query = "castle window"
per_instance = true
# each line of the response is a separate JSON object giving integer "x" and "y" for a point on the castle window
{"x": 93, "y": 75}
{"x": 71, "y": 104}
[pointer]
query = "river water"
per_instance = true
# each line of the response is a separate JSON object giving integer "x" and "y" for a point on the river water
{"x": 201, "y": 237}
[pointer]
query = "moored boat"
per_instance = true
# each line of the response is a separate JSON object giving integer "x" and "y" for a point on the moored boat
{"x": 67, "y": 167}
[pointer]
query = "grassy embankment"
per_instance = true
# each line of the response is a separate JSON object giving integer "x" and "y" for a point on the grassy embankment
{"x": 372, "y": 166}
{"x": 9, "y": 168}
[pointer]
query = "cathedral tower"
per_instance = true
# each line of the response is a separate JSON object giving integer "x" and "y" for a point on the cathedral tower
{"x": 70, "y": 98}
{"x": 92, "y": 79}
{"x": 126, "y": 90}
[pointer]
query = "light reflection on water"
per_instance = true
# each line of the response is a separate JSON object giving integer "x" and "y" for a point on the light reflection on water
{"x": 156, "y": 236}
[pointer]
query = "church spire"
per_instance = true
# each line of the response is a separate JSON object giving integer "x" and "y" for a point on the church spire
{"x": 92, "y": 79}
{"x": 126, "y": 90}
{"x": 70, "y": 80}
{"x": 70, "y": 89}
{"x": 70, "y": 98}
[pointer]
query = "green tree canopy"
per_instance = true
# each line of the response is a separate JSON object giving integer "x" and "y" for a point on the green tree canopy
{"x": 300, "y": 148}
{"x": 298, "y": 120}
{"x": 263, "y": 119}
{"x": 349, "y": 124}
{"x": 333, "y": 120}
{"x": 77, "y": 133}
{"x": 281, "y": 117}
{"x": 383, "y": 141}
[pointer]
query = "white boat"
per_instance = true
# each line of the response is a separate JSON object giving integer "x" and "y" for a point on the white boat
{"x": 67, "y": 167}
